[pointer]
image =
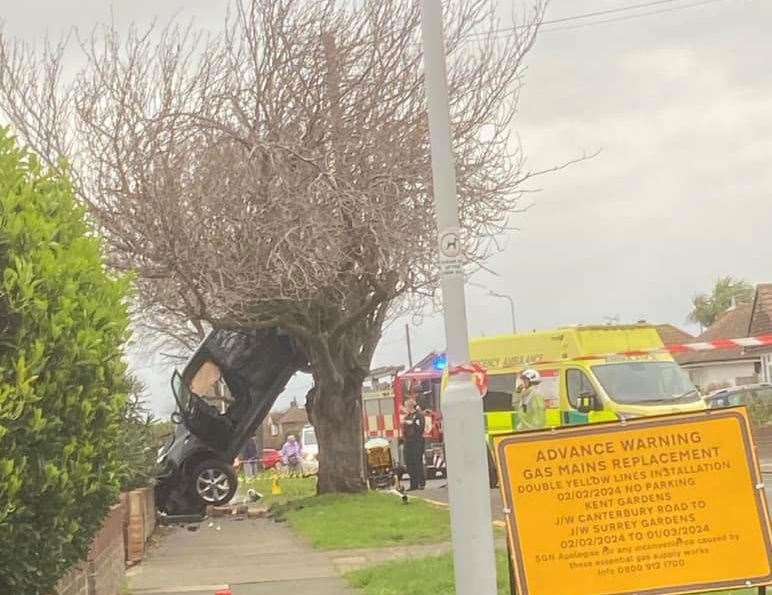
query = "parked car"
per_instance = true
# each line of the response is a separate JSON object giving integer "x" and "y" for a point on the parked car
{"x": 756, "y": 397}
{"x": 271, "y": 457}
{"x": 195, "y": 467}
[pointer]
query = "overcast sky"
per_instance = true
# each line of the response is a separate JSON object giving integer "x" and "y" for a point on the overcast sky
{"x": 680, "y": 105}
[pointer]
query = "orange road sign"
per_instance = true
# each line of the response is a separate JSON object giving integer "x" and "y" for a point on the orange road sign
{"x": 662, "y": 505}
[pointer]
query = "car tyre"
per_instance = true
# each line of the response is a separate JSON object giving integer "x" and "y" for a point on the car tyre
{"x": 214, "y": 482}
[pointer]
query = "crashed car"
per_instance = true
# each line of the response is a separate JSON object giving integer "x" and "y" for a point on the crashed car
{"x": 244, "y": 371}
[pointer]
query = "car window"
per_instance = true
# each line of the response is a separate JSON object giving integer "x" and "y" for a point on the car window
{"x": 371, "y": 407}
{"x": 578, "y": 383}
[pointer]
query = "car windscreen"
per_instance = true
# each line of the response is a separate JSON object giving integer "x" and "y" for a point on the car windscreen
{"x": 646, "y": 383}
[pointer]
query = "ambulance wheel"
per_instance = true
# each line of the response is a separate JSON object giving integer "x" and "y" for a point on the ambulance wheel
{"x": 493, "y": 476}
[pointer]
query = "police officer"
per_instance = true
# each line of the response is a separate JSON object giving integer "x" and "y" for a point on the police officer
{"x": 414, "y": 427}
{"x": 528, "y": 402}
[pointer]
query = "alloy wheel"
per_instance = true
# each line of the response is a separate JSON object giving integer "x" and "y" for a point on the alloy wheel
{"x": 212, "y": 485}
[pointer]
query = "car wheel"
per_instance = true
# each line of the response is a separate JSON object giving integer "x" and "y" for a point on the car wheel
{"x": 214, "y": 482}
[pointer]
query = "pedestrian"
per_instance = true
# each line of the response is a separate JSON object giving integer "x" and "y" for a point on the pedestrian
{"x": 292, "y": 455}
{"x": 528, "y": 402}
{"x": 248, "y": 458}
{"x": 413, "y": 432}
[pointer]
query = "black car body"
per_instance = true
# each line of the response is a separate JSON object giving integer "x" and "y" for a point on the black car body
{"x": 196, "y": 464}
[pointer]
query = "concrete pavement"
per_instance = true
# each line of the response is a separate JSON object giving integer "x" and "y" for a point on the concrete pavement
{"x": 437, "y": 491}
{"x": 252, "y": 557}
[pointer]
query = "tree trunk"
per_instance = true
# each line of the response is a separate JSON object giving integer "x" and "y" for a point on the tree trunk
{"x": 259, "y": 442}
{"x": 337, "y": 414}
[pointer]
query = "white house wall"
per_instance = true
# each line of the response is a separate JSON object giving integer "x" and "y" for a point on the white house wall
{"x": 720, "y": 375}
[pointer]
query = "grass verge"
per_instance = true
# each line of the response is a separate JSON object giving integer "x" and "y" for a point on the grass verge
{"x": 294, "y": 488}
{"x": 368, "y": 520}
{"x": 424, "y": 576}
{"x": 434, "y": 576}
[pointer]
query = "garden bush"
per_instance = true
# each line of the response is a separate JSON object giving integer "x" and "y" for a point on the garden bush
{"x": 63, "y": 322}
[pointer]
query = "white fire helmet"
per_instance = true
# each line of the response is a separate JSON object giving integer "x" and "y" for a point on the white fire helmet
{"x": 531, "y": 375}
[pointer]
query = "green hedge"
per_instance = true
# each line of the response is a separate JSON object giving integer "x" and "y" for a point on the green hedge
{"x": 63, "y": 321}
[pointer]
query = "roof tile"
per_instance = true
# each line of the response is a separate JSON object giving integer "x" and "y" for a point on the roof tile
{"x": 761, "y": 319}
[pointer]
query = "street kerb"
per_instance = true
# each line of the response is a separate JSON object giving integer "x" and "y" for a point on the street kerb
{"x": 499, "y": 524}
{"x": 653, "y": 506}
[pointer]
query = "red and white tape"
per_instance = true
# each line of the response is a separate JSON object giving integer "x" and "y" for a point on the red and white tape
{"x": 677, "y": 348}
{"x": 760, "y": 341}
{"x": 478, "y": 372}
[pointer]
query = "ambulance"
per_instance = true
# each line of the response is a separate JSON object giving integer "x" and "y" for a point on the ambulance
{"x": 589, "y": 374}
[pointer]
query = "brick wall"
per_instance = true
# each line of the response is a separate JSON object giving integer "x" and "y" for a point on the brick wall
{"x": 106, "y": 558}
{"x": 74, "y": 582}
{"x": 103, "y": 571}
{"x": 123, "y": 538}
{"x": 139, "y": 522}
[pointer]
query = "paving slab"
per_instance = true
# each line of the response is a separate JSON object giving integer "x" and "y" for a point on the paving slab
{"x": 246, "y": 554}
{"x": 321, "y": 586}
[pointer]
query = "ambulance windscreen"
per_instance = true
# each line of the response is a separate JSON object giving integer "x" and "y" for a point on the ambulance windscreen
{"x": 646, "y": 383}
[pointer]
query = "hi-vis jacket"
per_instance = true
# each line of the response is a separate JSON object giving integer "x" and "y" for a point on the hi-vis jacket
{"x": 531, "y": 410}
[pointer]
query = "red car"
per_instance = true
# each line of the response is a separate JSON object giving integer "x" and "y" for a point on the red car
{"x": 270, "y": 458}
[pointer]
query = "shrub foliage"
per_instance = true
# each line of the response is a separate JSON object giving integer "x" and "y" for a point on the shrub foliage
{"x": 63, "y": 322}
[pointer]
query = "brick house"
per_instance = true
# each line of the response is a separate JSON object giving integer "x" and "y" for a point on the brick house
{"x": 279, "y": 424}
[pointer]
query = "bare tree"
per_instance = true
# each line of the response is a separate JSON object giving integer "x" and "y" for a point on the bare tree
{"x": 277, "y": 173}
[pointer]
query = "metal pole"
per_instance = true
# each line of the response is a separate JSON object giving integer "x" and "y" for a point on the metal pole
{"x": 511, "y": 307}
{"x": 409, "y": 346}
{"x": 470, "y": 507}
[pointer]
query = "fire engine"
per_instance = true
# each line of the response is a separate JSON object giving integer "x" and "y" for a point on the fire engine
{"x": 384, "y": 393}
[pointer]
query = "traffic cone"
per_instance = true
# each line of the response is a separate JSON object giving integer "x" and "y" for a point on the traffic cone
{"x": 275, "y": 487}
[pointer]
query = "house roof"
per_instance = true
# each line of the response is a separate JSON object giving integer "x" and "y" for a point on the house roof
{"x": 732, "y": 324}
{"x": 294, "y": 414}
{"x": 761, "y": 316}
{"x": 672, "y": 335}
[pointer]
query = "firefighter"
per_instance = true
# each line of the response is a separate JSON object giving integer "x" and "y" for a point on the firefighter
{"x": 414, "y": 427}
{"x": 529, "y": 402}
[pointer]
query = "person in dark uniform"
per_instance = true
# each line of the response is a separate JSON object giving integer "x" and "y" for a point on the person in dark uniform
{"x": 415, "y": 424}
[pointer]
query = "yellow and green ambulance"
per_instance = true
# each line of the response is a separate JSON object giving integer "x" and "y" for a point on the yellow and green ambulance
{"x": 589, "y": 374}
